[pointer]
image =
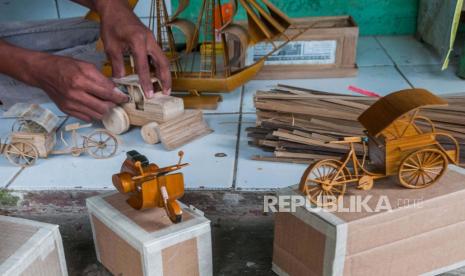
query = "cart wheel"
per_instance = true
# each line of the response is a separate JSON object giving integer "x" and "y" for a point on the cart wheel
{"x": 116, "y": 121}
{"x": 322, "y": 184}
{"x": 422, "y": 168}
{"x": 101, "y": 144}
{"x": 21, "y": 154}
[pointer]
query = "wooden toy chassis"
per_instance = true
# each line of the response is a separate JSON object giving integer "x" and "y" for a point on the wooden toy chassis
{"x": 397, "y": 145}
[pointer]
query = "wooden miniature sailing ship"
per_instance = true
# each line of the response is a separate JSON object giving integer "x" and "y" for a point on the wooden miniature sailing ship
{"x": 212, "y": 55}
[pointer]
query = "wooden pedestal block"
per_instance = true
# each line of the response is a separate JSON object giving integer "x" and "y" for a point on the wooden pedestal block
{"x": 30, "y": 248}
{"x": 424, "y": 234}
{"x": 133, "y": 242}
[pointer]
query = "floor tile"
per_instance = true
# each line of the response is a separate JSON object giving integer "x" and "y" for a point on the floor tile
{"x": 407, "y": 50}
{"x": 253, "y": 175}
{"x": 19, "y": 10}
{"x": 231, "y": 102}
{"x": 432, "y": 78}
{"x": 370, "y": 53}
{"x": 381, "y": 79}
{"x": 69, "y": 9}
{"x": 84, "y": 172}
{"x": 7, "y": 170}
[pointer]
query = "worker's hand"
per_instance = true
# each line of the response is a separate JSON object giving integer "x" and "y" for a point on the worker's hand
{"x": 78, "y": 88}
{"x": 121, "y": 32}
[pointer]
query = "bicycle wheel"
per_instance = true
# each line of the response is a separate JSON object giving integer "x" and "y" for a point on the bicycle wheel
{"x": 322, "y": 183}
{"x": 21, "y": 154}
{"x": 101, "y": 144}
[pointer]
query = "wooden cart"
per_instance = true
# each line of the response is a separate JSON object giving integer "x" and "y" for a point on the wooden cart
{"x": 399, "y": 141}
{"x": 33, "y": 136}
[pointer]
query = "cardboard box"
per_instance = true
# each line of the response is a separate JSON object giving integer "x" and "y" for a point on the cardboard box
{"x": 424, "y": 234}
{"x": 30, "y": 248}
{"x": 327, "y": 50}
{"x": 133, "y": 242}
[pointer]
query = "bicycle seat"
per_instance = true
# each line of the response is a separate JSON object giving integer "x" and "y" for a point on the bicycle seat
{"x": 76, "y": 126}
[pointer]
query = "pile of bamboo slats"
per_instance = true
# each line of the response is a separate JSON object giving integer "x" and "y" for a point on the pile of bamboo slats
{"x": 293, "y": 124}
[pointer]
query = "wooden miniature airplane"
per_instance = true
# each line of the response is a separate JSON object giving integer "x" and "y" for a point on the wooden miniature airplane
{"x": 150, "y": 186}
{"x": 400, "y": 142}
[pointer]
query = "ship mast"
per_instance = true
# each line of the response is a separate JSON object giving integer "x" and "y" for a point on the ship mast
{"x": 164, "y": 33}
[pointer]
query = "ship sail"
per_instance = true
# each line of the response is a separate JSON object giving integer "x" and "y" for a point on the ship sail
{"x": 237, "y": 33}
{"x": 215, "y": 46}
{"x": 182, "y": 6}
{"x": 265, "y": 23}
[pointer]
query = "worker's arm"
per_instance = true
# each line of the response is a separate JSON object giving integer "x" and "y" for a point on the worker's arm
{"x": 78, "y": 88}
{"x": 122, "y": 31}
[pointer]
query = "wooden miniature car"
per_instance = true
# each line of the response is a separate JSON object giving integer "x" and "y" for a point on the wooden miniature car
{"x": 140, "y": 110}
{"x": 162, "y": 118}
{"x": 34, "y": 136}
{"x": 150, "y": 186}
{"x": 400, "y": 142}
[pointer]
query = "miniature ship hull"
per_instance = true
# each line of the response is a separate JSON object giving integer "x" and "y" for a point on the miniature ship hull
{"x": 194, "y": 81}
{"x": 183, "y": 82}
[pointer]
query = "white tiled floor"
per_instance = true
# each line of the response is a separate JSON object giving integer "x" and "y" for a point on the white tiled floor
{"x": 258, "y": 174}
{"x": 370, "y": 53}
{"x": 231, "y": 102}
{"x": 387, "y": 64}
{"x": 406, "y": 50}
{"x": 431, "y": 77}
{"x": 84, "y": 172}
{"x": 7, "y": 170}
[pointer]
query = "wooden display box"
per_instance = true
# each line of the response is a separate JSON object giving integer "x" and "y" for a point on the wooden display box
{"x": 328, "y": 50}
{"x": 30, "y": 248}
{"x": 132, "y": 242}
{"x": 424, "y": 234}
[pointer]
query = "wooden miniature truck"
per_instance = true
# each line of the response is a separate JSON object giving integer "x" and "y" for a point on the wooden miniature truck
{"x": 34, "y": 136}
{"x": 162, "y": 118}
{"x": 400, "y": 142}
{"x": 150, "y": 186}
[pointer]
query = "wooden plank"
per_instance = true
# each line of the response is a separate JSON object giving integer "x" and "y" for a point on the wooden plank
{"x": 184, "y": 129}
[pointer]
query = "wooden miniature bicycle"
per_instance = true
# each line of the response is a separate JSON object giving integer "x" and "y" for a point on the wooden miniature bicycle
{"x": 33, "y": 136}
{"x": 400, "y": 142}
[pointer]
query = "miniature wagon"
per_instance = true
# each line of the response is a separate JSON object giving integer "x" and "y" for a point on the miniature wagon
{"x": 400, "y": 142}
{"x": 33, "y": 136}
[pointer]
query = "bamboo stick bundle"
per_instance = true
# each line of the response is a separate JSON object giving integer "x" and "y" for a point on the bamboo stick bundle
{"x": 294, "y": 124}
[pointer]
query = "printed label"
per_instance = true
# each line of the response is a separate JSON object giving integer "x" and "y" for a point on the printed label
{"x": 296, "y": 52}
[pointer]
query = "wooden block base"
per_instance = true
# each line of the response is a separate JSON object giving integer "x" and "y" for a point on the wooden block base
{"x": 422, "y": 234}
{"x": 208, "y": 102}
{"x": 145, "y": 242}
{"x": 274, "y": 72}
{"x": 30, "y": 248}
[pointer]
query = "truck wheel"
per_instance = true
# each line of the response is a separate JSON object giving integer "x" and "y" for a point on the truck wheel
{"x": 149, "y": 133}
{"x": 116, "y": 121}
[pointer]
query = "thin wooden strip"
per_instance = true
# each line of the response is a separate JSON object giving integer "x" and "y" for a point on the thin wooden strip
{"x": 286, "y": 160}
